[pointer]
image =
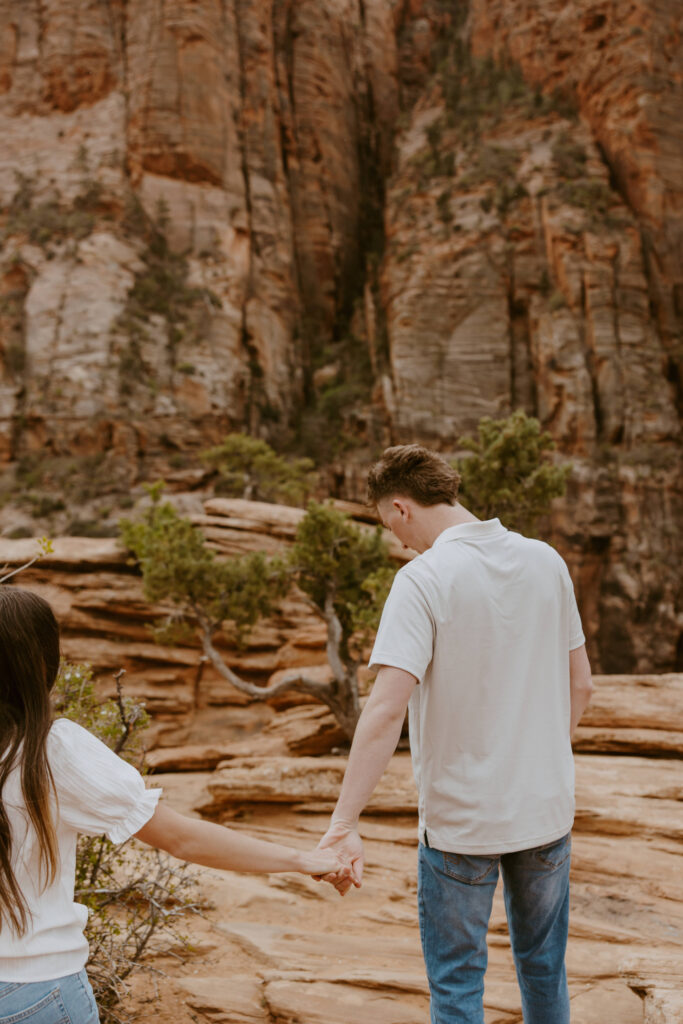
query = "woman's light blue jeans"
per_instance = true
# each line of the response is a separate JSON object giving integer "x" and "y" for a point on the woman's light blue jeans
{"x": 67, "y": 1000}
{"x": 455, "y": 894}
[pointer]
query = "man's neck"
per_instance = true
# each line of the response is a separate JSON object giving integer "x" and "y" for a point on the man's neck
{"x": 436, "y": 518}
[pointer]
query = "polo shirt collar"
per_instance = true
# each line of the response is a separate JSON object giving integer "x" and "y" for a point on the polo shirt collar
{"x": 471, "y": 531}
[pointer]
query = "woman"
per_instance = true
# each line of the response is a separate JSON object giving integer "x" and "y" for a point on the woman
{"x": 57, "y": 780}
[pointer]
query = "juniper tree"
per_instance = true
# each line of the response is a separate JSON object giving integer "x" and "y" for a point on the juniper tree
{"x": 249, "y": 468}
{"x": 509, "y": 473}
{"x": 343, "y": 570}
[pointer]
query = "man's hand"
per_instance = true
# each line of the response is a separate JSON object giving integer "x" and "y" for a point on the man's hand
{"x": 344, "y": 840}
{"x": 375, "y": 739}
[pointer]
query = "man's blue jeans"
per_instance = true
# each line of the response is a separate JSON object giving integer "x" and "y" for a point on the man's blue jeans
{"x": 455, "y": 894}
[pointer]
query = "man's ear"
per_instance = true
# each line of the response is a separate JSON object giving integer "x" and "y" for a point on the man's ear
{"x": 402, "y": 508}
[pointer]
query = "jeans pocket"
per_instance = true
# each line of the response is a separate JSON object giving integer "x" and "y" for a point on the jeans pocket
{"x": 468, "y": 869}
{"x": 7, "y": 988}
{"x": 48, "y": 1010}
{"x": 555, "y": 854}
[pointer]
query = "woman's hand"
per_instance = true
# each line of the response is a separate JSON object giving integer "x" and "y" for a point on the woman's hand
{"x": 342, "y": 836}
{"x": 325, "y": 863}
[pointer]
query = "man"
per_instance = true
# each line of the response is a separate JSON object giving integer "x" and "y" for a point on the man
{"x": 481, "y": 638}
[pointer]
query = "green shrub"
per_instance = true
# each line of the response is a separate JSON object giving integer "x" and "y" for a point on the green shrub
{"x": 248, "y": 467}
{"x": 443, "y": 207}
{"x": 91, "y": 528}
{"x": 569, "y": 157}
{"x": 557, "y": 301}
{"x": 479, "y": 92}
{"x": 508, "y": 193}
{"x": 495, "y": 164}
{"x": 589, "y": 194}
{"x": 325, "y": 427}
{"x": 20, "y": 532}
{"x": 508, "y": 474}
{"x": 15, "y": 357}
{"x": 44, "y": 504}
{"x": 491, "y": 163}
{"x": 46, "y": 483}
{"x": 544, "y": 282}
{"x": 51, "y": 220}
{"x": 160, "y": 289}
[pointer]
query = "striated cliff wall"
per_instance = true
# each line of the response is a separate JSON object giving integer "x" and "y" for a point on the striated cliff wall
{"x": 534, "y": 247}
{"x": 365, "y": 221}
{"x": 244, "y": 130}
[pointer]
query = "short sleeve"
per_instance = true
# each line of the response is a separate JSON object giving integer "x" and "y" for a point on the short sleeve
{"x": 405, "y": 638}
{"x": 574, "y": 628}
{"x": 97, "y": 791}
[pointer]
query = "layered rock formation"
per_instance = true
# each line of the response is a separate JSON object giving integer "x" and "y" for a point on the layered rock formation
{"x": 199, "y": 719}
{"x": 97, "y": 595}
{"x": 244, "y": 129}
{"x": 285, "y": 949}
{"x": 449, "y": 211}
{"x": 521, "y": 253}
{"x": 625, "y": 71}
{"x": 281, "y": 949}
{"x": 304, "y": 955}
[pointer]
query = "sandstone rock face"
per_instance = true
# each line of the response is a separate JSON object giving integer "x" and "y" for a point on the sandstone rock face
{"x": 106, "y": 621}
{"x": 658, "y": 980}
{"x": 637, "y": 715}
{"x": 285, "y": 948}
{"x": 301, "y": 781}
{"x": 199, "y": 718}
{"x": 625, "y": 72}
{"x": 199, "y": 200}
{"x": 247, "y": 131}
{"x": 522, "y": 263}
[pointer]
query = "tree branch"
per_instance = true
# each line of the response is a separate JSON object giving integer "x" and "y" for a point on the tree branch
{"x": 45, "y": 549}
{"x": 295, "y": 681}
{"x": 127, "y": 721}
{"x": 334, "y": 638}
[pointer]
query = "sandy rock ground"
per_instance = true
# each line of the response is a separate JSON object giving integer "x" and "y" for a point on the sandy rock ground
{"x": 283, "y": 949}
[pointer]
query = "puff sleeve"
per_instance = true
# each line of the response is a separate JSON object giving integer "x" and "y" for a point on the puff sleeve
{"x": 97, "y": 791}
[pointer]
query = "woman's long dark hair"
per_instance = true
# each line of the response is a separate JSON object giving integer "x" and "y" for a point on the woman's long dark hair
{"x": 29, "y": 662}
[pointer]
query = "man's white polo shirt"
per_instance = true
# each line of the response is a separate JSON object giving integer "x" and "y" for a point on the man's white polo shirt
{"x": 485, "y": 620}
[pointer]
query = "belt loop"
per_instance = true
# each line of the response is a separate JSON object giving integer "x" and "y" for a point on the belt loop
{"x": 427, "y": 840}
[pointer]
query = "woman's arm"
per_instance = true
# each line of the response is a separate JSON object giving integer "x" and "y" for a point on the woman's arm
{"x": 215, "y": 846}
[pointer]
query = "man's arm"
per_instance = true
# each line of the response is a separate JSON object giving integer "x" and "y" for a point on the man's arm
{"x": 377, "y": 734}
{"x": 580, "y": 684}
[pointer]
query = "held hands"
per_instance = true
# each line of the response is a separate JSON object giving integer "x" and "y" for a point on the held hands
{"x": 342, "y": 837}
{"x": 327, "y": 864}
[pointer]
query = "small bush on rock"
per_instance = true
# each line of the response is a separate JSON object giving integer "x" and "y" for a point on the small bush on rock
{"x": 249, "y": 468}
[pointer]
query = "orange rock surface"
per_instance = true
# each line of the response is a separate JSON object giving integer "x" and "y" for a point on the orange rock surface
{"x": 282, "y": 949}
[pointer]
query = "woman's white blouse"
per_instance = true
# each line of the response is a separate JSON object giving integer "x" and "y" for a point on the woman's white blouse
{"x": 97, "y": 792}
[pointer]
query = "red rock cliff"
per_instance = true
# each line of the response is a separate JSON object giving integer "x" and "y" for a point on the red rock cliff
{"x": 204, "y": 202}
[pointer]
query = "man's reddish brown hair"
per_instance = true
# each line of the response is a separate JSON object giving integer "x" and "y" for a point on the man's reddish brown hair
{"x": 411, "y": 471}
